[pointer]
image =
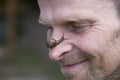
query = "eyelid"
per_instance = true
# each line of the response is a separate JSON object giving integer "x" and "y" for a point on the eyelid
{"x": 81, "y": 26}
{"x": 83, "y": 23}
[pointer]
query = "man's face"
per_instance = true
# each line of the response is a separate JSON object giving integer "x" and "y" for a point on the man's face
{"x": 91, "y": 48}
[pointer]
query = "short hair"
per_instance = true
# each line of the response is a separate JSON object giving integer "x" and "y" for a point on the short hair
{"x": 117, "y": 5}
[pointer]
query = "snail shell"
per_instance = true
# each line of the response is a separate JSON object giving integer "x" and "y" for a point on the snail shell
{"x": 52, "y": 43}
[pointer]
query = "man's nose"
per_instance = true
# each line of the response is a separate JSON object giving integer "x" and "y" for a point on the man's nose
{"x": 64, "y": 47}
{"x": 59, "y": 51}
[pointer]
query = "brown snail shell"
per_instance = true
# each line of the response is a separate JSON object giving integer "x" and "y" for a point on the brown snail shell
{"x": 52, "y": 43}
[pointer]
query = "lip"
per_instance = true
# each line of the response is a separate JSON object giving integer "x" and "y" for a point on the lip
{"x": 74, "y": 65}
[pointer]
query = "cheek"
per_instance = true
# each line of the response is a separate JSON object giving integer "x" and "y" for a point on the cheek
{"x": 99, "y": 45}
{"x": 95, "y": 39}
{"x": 88, "y": 43}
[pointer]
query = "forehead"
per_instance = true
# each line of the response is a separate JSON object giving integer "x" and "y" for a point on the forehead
{"x": 62, "y": 2}
{"x": 53, "y": 9}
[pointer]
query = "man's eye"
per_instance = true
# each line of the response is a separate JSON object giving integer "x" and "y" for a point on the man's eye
{"x": 78, "y": 27}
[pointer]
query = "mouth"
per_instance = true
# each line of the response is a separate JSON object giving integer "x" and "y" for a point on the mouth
{"x": 74, "y": 65}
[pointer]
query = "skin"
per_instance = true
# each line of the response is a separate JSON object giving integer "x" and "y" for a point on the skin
{"x": 91, "y": 49}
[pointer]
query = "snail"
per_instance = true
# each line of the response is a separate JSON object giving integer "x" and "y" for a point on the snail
{"x": 52, "y": 43}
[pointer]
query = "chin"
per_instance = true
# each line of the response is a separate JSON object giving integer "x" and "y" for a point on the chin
{"x": 83, "y": 71}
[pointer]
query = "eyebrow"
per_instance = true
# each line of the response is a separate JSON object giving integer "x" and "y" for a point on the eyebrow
{"x": 80, "y": 16}
{"x": 80, "y": 20}
{"x": 71, "y": 19}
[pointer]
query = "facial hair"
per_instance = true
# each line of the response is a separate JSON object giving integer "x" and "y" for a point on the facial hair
{"x": 93, "y": 73}
{"x": 115, "y": 75}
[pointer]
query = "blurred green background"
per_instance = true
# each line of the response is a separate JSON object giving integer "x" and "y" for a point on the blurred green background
{"x": 23, "y": 53}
